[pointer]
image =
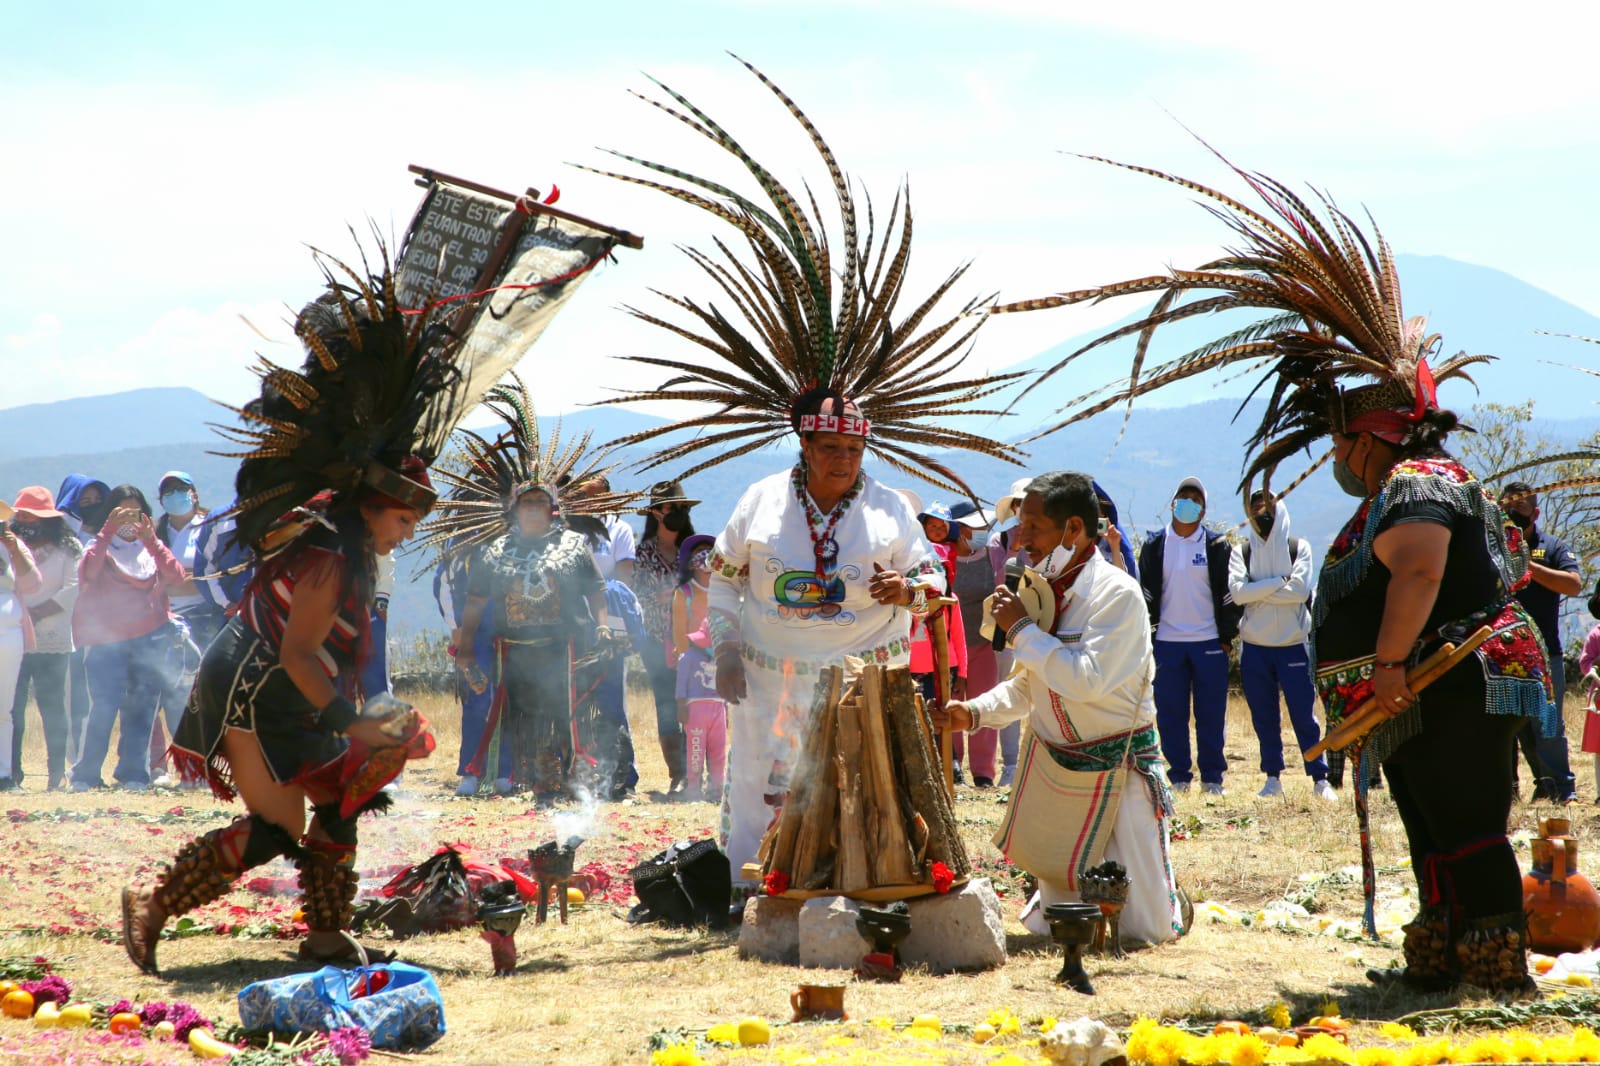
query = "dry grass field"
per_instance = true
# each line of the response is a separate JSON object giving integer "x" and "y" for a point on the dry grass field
{"x": 595, "y": 990}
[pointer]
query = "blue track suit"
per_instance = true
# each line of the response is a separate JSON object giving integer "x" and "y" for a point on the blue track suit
{"x": 1191, "y": 675}
{"x": 1198, "y": 669}
{"x": 1271, "y": 581}
{"x": 1264, "y": 672}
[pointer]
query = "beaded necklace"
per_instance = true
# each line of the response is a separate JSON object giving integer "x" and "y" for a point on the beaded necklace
{"x": 818, "y": 525}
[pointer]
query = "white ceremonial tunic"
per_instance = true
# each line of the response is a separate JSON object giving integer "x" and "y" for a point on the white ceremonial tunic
{"x": 1092, "y": 678}
{"x": 763, "y": 573}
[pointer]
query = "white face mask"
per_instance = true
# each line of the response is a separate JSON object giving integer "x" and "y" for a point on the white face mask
{"x": 1055, "y": 564}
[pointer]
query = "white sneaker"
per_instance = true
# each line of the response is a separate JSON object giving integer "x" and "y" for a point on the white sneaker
{"x": 1272, "y": 788}
{"x": 1212, "y": 788}
{"x": 1325, "y": 791}
{"x": 165, "y": 781}
{"x": 504, "y": 786}
{"x": 468, "y": 786}
{"x": 1182, "y": 786}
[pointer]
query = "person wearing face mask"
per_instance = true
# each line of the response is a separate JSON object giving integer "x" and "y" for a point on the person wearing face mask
{"x": 19, "y": 577}
{"x": 1085, "y": 688}
{"x": 82, "y": 502}
{"x": 43, "y": 528}
{"x": 197, "y": 617}
{"x": 1184, "y": 572}
{"x": 939, "y": 527}
{"x": 1003, "y": 547}
{"x": 1271, "y": 580}
{"x": 1555, "y": 575}
{"x": 123, "y": 619}
{"x": 667, "y": 524}
{"x": 701, "y": 711}
{"x": 975, "y": 578}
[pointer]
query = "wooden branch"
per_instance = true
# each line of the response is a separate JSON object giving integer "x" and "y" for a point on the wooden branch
{"x": 921, "y": 779}
{"x": 530, "y": 202}
{"x": 854, "y": 871}
{"x": 816, "y": 840}
{"x": 778, "y": 847}
{"x": 886, "y": 825}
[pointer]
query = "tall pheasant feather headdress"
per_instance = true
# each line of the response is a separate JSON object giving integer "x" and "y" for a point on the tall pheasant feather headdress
{"x": 1332, "y": 319}
{"x": 377, "y": 397}
{"x": 819, "y": 347}
{"x": 493, "y": 474}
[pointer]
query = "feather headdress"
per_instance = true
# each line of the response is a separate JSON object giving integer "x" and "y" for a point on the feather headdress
{"x": 482, "y": 489}
{"x": 1338, "y": 352}
{"x": 379, "y": 390}
{"x": 819, "y": 339}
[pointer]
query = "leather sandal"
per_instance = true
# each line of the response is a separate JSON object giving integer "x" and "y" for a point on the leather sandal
{"x": 138, "y": 939}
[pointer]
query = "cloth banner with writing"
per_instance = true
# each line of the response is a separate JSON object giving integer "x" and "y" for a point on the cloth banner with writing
{"x": 451, "y": 243}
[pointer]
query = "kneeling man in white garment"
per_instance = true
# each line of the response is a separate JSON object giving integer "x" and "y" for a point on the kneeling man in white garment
{"x": 1091, "y": 784}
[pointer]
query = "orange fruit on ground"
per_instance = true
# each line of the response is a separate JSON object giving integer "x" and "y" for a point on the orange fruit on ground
{"x": 125, "y": 1022}
{"x": 17, "y": 1004}
{"x": 8, "y": 987}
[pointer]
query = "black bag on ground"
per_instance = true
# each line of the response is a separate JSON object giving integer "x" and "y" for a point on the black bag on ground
{"x": 690, "y": 884}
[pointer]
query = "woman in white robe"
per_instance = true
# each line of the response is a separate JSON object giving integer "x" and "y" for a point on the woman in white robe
{"x": 815, "y": 564}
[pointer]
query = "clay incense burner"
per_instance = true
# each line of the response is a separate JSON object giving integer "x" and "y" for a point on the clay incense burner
{"x": 886, "y": 927}
{"x": 1073, "y": 925}
{"x": 1107, "y": 887}
{"x": 552, "y": 864}
{"x": 500, "y": 912}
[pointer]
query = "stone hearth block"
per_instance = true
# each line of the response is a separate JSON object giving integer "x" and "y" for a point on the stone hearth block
{"x": 828, "y": 936}
{"x": 963, "y": 930}
{"x": 771, "y": 930}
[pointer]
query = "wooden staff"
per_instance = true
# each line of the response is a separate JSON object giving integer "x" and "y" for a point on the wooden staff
{"x": 939, "y": 634}
{"x": 1368, "y": 716}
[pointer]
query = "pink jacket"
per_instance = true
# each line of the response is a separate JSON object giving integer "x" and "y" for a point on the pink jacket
{"x": 1591, "y": 651}
{"x": 112, "y": 606}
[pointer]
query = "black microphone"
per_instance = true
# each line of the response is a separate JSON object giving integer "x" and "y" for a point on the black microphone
{"x": 1014, "y": 570}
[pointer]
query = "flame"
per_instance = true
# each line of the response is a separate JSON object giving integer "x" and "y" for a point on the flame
{"x": 786, "y": 709}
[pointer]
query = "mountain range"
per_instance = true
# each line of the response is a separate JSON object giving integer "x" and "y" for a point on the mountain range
{"x": 135, "y": 436}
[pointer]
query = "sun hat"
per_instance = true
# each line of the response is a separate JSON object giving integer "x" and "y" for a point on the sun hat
{"x": 35, "y": 500}
{"x": 665, "y": 492}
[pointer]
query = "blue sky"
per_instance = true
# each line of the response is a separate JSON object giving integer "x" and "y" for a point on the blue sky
{"x": 167, "y": 164}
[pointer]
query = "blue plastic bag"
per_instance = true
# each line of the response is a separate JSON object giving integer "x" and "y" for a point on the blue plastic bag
{"x": 404, "y": 1014}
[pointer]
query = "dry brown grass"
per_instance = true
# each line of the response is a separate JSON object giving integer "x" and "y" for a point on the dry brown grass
{"x": 594, "y": 991}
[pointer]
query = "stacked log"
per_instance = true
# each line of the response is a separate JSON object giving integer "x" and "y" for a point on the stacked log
{"x": 867, "y": 807}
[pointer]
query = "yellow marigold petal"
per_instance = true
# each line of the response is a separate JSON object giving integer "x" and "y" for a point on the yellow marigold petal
{"x": 1396, "y": 1031}
{"x": 1323, "y": 1046}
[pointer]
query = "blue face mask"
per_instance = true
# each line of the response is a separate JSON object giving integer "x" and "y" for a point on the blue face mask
{"x": 177, "y": 503}
{"x": 1187, "y": 510}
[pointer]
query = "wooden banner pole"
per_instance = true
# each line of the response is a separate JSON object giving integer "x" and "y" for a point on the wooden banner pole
{"x": 427, "y": 176}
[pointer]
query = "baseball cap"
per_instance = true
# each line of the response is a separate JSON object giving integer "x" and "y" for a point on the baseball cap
{"x": 1191, "y": 483}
